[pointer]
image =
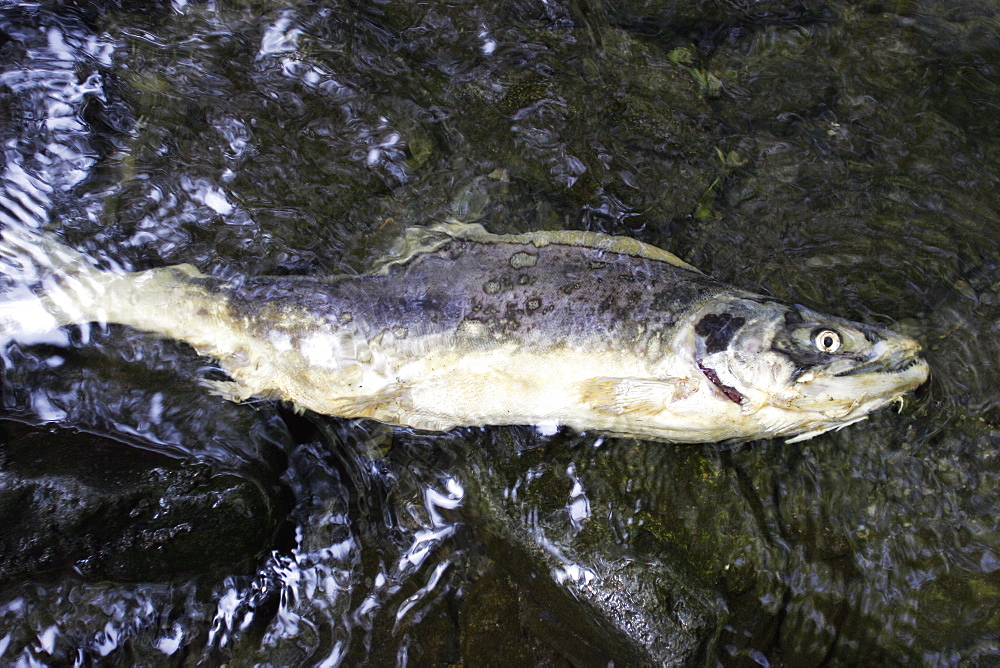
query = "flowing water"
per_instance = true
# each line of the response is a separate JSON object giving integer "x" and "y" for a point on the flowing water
{"x": 839, "y": 155}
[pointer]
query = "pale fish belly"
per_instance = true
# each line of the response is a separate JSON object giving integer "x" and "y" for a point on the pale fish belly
{"x": 438, "y": 385}
{"x": 606, "y": 391}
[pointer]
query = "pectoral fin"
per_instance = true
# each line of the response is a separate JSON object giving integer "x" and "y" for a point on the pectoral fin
{"x": 634, "y": 396}
{"x": 230, "y": 390}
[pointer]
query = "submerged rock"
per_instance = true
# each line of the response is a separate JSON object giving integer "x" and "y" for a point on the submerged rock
{"x": 587, "y": 587}
{"x": 73, "y": 501}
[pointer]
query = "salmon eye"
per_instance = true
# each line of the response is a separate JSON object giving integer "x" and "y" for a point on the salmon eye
{"x": 827, "y": 341}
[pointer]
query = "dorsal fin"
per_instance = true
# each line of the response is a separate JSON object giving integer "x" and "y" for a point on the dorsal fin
{"x": 420, "y": 240}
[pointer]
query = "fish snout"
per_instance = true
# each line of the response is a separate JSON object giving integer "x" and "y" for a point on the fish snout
{"x": 910, "y": 346}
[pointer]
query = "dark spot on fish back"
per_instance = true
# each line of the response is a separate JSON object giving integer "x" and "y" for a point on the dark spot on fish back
{"x": 718, "y": 329}
{"x": 608, "y": 303}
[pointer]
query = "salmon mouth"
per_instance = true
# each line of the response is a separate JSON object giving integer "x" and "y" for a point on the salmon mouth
{"x": 894, "y": 364}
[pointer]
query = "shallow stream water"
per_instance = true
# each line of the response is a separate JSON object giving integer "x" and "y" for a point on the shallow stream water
{"x": 839, "y": 155}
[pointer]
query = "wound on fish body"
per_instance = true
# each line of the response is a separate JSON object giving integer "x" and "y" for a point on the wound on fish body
{"x": 460, "y": 327}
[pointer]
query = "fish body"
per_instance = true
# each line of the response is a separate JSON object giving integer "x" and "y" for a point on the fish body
{"x": 461, "y": 327}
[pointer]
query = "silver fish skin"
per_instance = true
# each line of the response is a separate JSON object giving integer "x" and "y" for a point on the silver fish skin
{"x": 461, "y": 327}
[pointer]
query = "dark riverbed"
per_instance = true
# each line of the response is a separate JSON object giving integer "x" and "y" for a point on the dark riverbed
{"x": 840, "y": 155}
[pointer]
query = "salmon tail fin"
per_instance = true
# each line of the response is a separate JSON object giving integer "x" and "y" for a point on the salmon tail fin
{"x": 46, "y": 285}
